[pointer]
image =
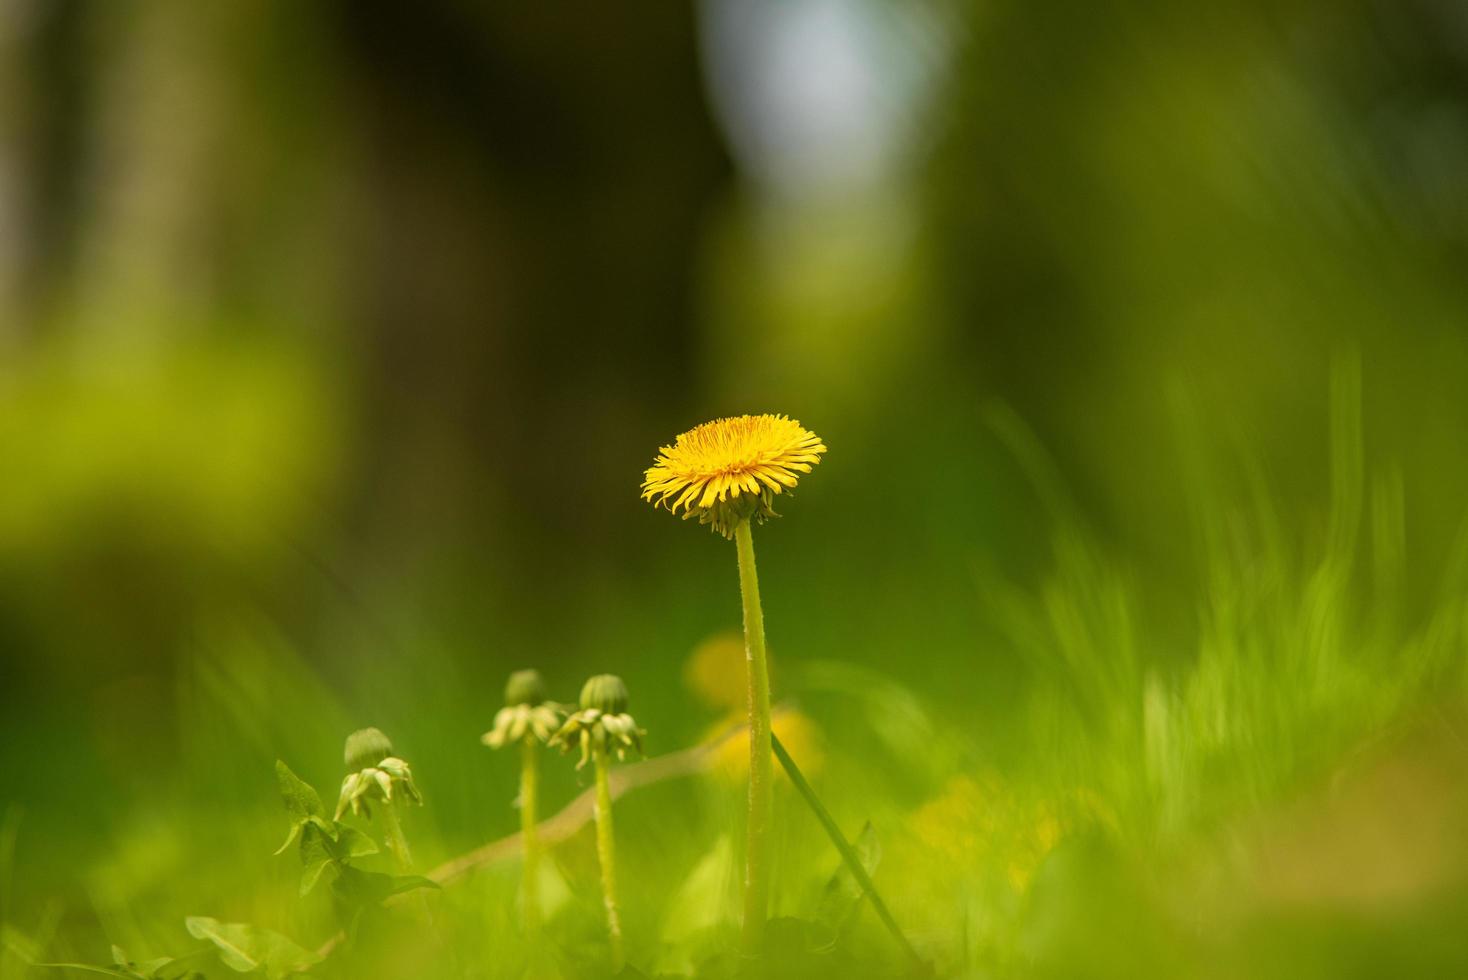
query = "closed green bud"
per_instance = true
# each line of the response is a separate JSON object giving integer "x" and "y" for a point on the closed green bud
{"x": 524, "y": 687}
{"x": 366, "y": 748}
{"x": 602, "y": 724}
{"x": 606, "y": 693}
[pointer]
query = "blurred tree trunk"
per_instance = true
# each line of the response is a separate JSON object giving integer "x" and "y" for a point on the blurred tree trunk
{"x": 475, "y": 227}
{"x": 532, "y": 205}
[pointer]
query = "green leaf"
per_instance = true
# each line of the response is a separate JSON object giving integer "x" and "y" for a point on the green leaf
{"x": 359, "y": 889}
{"x": 318, "y": 853}
{"x": 352, "y": 843}
{"x": 311, "y": 874}
{"x": 301, "y": 804}
{"x": 245, "y": 948}
{"x": 162, "y": 968}
{"x": 301, "y": 801}
{"x": 408, "y": 883}
{"x": 843, "y": 893}
{"x": 106, "y": 971}
{"x": 167, "y": 968}
{"x": 321, "y": 852}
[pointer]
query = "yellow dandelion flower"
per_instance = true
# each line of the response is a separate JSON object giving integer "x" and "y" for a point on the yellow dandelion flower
{"x": 729, "y": 471}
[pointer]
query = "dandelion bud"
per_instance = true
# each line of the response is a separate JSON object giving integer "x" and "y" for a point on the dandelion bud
{"x": 602, "y": 723}
{"x": 605, "y": 693}
{"x": 366, "y": 748}
{"x": 524, "y": 687}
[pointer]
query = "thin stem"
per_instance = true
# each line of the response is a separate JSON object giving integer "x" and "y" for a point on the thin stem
{"x": 529, "y": 797}
{"x": 848, "y": 853}
{"x": 606, "y": 852}
{"x": 573, "y": 816}
{"x": 761, "y": 771}
{"x": 397, "y": 842}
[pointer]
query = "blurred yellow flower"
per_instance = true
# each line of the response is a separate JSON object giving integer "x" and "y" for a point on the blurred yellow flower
{"x": 714, "y": 672}
{"x": 799, "y": 734}
{"x": 729, "y": 470}
{"x": 959, "y": 823}
{"x": 977, "y": 823}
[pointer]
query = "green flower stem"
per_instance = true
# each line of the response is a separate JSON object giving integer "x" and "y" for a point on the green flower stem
{"x": 761, "y": 770}
{"x": 606, "y": 853}
{"x": 843, "y": 846}
{"x": 397, "y": 842}
{"x": 529, "y": 799}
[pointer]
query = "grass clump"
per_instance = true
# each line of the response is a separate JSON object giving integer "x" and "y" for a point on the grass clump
{"x": 1172, "y": 790}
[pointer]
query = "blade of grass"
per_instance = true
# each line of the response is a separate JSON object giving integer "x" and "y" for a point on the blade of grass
{"x": 847, "y": 852}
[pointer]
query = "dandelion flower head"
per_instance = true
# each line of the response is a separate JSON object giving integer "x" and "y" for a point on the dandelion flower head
{"x": 729, "y": 470}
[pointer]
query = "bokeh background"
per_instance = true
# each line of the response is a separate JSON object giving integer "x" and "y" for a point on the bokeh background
{"x": 334, "y": 338}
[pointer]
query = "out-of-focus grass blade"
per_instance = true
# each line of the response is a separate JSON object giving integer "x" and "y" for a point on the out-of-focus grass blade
{"x": 843, "y": 893}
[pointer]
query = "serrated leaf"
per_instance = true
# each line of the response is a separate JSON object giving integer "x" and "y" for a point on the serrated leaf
{"x": 843, "y": 894}
{"x": 246, "y": 948}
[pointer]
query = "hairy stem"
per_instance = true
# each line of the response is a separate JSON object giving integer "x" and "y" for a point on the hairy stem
{"x": 529, "y": 797}
{"x": 606, "y": 852}
{"x": 761, "y": 785}
{"x": 397, "y": 842}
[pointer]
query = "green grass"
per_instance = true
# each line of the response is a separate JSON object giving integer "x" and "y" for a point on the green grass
{"x": 1188, "y": 782}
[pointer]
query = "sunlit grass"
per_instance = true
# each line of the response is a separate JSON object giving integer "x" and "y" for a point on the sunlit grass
{"x": 1165, "y": 799}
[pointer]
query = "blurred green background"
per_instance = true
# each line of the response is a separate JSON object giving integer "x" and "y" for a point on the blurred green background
{"x": 335, "y": 336}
